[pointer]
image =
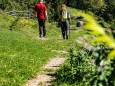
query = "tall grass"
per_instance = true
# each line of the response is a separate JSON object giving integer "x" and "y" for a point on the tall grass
{"x": 22, "y": 54}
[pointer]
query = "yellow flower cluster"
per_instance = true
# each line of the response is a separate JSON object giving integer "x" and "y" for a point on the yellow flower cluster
{"x": 23, "y": 22}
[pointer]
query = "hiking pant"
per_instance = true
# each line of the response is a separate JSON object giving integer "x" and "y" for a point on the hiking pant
{"x": 65, "y": 29}
{"x": 42, "y": 29}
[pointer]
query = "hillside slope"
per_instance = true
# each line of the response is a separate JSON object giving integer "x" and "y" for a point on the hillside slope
{"x": 22, "y": 53}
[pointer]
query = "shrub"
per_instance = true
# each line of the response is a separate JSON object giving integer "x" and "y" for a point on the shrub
{"x": 77, "y": 70}
{"x": 103, "y": 71}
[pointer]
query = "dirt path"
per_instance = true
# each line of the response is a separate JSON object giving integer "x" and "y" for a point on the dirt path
{"x": 44, "y": 78}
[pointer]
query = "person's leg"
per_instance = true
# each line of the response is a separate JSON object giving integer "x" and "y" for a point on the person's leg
{"x": 67, "y": 30}
{"x": 63, "y": 30}
{"x": 40, "y": 27}
{"x": 44, "y": 29}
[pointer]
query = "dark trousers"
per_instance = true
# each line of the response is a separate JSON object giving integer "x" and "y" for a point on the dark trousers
{"x": 42, "y": 29}
{"x": 65, "y": 30}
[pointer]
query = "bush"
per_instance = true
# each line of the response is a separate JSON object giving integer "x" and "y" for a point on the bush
{"x": 77, "y": 70}
{"x": 102, "y": 70}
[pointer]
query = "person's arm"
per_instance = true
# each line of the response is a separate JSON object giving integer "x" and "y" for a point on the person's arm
{"x": 46, "y": 15}
{"x": 35, "y": 13}
{"x": 69, "y": 17}
{"x": 60, "y": 16}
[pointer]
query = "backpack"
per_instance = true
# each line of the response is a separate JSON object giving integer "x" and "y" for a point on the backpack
{"x": 64, "y": 16}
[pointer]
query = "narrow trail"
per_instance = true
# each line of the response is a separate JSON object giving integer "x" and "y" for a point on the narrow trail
{"x": 46, "y": 75}
{"x": 44, "y": 78}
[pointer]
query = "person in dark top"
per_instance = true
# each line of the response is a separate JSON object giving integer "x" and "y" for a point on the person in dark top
{"x": 65, "y": 19}
{"x": 41, "y": 14}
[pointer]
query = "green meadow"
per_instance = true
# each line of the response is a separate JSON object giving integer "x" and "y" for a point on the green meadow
{"x": 22, "y": 53}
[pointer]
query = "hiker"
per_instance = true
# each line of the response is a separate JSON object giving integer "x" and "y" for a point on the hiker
{"x": 65, "y": 20}
{"x": 41, "y": 14}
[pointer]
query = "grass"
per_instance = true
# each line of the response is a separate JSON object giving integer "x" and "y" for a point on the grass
{"x": 22, "y": 54}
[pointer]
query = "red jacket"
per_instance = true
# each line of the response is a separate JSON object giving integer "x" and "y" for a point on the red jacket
{"x": 40, "y": 8}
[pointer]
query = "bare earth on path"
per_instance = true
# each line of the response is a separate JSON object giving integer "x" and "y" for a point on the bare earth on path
{"x": 44, "y": 79}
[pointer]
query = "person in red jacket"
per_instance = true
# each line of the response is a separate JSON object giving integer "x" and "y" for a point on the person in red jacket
{"x": 41, "y": 14}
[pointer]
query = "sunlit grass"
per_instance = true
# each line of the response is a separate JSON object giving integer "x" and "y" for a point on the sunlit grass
{"x": 22, "y": 53}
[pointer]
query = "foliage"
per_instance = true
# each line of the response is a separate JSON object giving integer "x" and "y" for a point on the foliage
{"x": 53, "y": 7}
{"x": 106, "y": 73}
{"x": 112, "y": 24}
{"x": 11, "y": 23}
{"x": 102, "y": 76}
{"x": 77, "y": 70}
{"x": 109, "y": 14}
{"x": 88, "y": 5}
{"x": 97, "y": 30}
{"x": 102, "y": 8}
{"x": 102, "y": 58}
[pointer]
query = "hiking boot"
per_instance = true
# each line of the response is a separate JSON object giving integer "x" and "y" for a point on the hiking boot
{"x": 63, "y": 37}
{"x": 40, "y": 36}
{"x": 45, "y": 36}
{"x": 67, "y": 37}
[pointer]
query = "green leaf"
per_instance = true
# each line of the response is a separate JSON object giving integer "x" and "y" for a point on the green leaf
{"x": 111, "y": 54}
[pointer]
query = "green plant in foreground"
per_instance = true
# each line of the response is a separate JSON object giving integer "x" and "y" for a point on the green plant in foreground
{"x": 100, "y": 34}
{"x": 80, "y": 66}
{"x": 77, "y": 70}
{"x": 106, "y": 60}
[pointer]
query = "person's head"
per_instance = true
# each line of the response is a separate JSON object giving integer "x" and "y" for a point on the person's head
{"x": 63, "y": 7}
{"x": 40, "y": 0}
